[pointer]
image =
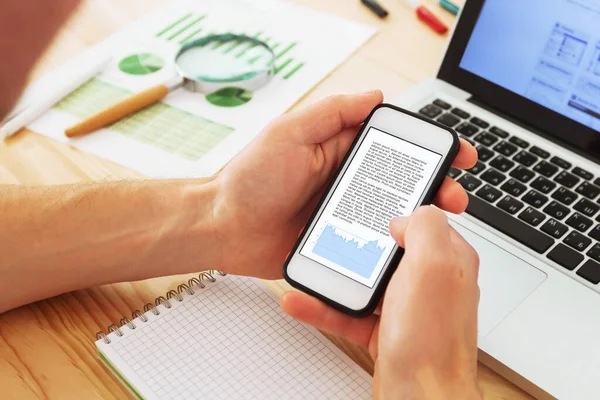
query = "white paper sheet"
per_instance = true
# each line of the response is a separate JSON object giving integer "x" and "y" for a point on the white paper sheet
{"x": 231, "y": 341}
{"x": 187, "y": 135}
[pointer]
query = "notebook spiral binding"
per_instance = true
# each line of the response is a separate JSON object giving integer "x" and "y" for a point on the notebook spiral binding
{"x": 164, "y": 300}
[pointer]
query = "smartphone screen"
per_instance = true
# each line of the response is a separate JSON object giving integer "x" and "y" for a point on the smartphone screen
{"x": 386, "y": 178}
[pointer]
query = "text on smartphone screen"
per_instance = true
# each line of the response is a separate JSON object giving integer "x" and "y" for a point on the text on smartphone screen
{"x": 386, "y": 178}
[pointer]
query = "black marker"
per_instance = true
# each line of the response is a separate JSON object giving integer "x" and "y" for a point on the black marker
{"x": 374, "y": 6}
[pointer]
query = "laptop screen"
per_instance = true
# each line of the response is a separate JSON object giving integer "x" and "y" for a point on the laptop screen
{"x": 547, "y": 51}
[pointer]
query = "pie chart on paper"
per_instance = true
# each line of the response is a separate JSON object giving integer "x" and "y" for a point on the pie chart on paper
{"x": 229, "y": 97}
{"x": 141, "y": 64}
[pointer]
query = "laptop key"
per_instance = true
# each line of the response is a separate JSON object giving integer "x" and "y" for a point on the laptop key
{"x": 467, "y": 129}
{"x": 590, "y": 271}
{"x": 506, "y": 149}
{"x": 539, "y": 152}
{"x": 513, "y": 187}
{"x": 587, "y": 207}
{"x": 595, "y": 233}
{"x": 588, "y": 190}
{"x": 560, "y": 162}
{"x": 486, "y": 138}
{"x": 565, "y": 196}
{"x": 556, "y": 210}
{"x": 567, "y": 179}
{"x": 477, "y": 168}
{"x": 532, "y": 216}
{"x": 535, "y": 198}
{"x": 594, "y": 252}
{"x": 499, "y": 132}
{"x": 543, "y": 185}
{"x": 454, "y": 173}
{"x": 519, "y": 231}
{"x": 583, "y": 173}
{"x": 494, "y": 177}
{"x": 449, "y": 120}
{"x": 460, "y": 113}
{"x": 430, "y": 111}
{"x": 546, "y": 169}
{"x": 523, "y": 174}
{"x": 442, "y": 104}
{"x": 554, "y": 228}
{"x": 510, "y": 205}
{"x": 519, "y": 142}
{"x": 525, "y": 158}
{"x": 469, "y": 182}
{"x": 484, "y": 153}
{"x": 597, "y": 181}
{"x": 565, "y": 257}
{"x": 489, "y": 193}
{"x": 579, "y": 222}
{"x": 577, "y": 241}
{"x": 480, "y": 123}
{"x": 502, "y": 163}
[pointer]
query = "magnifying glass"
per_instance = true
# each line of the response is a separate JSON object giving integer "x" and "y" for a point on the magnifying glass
{"x": 202, "y": 66}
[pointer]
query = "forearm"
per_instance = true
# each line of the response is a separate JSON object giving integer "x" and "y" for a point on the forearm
{"x": 63, "y": 238}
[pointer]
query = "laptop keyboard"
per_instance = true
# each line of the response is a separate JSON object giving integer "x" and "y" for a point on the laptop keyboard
{"x": 530, "y": 195}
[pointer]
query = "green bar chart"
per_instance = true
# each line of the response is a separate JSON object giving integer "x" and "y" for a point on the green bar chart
{"x": 190, "y": 26}
{"x": 186, "y": 27}
{"x": 163, "y": 126}
{"x": 173, "y": 24}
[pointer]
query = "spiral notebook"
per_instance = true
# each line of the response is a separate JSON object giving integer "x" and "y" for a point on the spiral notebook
{"x": 225, "y": 337}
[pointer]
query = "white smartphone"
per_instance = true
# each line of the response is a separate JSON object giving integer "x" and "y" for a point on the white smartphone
{"x": 345, "y": 256}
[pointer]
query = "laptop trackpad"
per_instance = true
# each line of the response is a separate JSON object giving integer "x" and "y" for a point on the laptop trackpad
{"x": 504, "y": 279}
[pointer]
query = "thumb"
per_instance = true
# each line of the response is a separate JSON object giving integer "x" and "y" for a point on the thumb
{"x": 326, "y": 118}
{"x": 398, "y": 228}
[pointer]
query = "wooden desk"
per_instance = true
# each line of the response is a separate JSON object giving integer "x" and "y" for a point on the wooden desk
{"x": 47, "y": 349}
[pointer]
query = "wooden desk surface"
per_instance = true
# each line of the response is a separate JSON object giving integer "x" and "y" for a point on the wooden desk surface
{"x": 47, "y": 349}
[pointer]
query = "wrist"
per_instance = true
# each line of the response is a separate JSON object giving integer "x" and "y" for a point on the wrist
{"x": 201, "y": 231}
{"x": 405, "y": 390}
{"x": 187, "y": 239}
{"x": 465, "y": 389}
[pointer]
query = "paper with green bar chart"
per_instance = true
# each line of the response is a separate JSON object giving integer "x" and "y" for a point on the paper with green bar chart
{"x": 194, "y": 134}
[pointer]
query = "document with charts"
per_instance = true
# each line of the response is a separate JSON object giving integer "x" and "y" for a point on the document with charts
{"x": 193, "y": 134}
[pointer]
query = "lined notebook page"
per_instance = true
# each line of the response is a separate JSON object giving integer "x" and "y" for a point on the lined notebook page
{"x": 232, "y": 341}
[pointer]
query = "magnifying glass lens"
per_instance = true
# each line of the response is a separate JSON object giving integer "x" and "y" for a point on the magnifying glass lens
{"x": 228, "y": 61}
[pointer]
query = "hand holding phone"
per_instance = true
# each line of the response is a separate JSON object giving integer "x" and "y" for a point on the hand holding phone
{"x": 346, "y": 256}
{"x": 437, "y": 316}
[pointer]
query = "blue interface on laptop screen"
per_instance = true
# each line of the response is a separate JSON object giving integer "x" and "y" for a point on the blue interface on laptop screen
{"x": 545, "y": 50}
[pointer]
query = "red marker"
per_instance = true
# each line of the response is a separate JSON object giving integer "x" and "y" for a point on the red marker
{"x": 427, "y": 17}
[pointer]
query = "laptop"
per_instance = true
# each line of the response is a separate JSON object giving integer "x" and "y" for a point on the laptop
{"x": 521, "y": 81}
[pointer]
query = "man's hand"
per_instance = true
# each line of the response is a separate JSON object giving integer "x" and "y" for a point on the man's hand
{"x": 425, "y": 342}
{"x": 268, "y": 192}
{"x": 244, "y": 220}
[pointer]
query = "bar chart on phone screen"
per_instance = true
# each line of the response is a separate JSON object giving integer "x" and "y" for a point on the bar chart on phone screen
{"x": 195, "y": 134}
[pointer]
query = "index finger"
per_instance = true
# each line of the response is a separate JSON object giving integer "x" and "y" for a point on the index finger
{"x": 427, "y": 229}
{"x": 321, "y": 121}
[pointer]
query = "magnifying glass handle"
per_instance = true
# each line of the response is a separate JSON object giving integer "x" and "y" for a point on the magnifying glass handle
{"x": 119, "y": 110}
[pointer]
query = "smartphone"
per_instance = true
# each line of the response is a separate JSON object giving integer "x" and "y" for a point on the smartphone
{"x": 345, "y": 256}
